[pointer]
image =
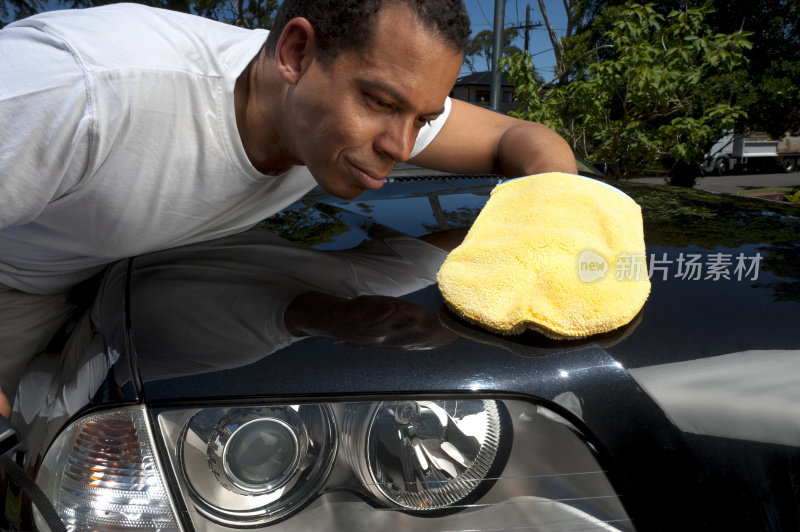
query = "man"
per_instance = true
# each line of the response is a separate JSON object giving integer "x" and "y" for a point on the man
{"x": 128, "y": 129}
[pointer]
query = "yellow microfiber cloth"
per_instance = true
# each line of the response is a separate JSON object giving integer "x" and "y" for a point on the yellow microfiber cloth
{"x": 556, "y": 253}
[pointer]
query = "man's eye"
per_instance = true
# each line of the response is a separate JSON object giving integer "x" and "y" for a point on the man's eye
{"x": 381, "y": 103}
{"x": 422, "y": 121}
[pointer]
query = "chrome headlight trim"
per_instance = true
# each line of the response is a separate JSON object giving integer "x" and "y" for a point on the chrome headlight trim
{"x": 205, "y": 461}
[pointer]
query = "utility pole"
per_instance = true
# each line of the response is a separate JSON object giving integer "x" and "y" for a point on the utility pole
{"x": 499, "y": 21}
{"x": 527, "y": 27}
{"x": 497, "y": 49}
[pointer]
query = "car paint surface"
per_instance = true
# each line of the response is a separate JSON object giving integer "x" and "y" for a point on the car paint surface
{"x": 691, "y": 408}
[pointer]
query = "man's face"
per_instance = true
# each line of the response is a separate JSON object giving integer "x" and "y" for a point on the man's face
{"x": 350, "y": 121}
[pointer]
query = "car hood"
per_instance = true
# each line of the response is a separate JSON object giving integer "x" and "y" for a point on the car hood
{"x": 695, "y": 399}
{"x": 716, "y": 338}
{"x": 725, "y": 276}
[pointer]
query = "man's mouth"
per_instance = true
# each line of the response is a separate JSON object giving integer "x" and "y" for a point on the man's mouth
{"x": 368, "y": 178}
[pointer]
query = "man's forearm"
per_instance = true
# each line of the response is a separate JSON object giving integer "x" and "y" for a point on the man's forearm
{"x": 311, "y": 313}
{"x": 477, "y": 140}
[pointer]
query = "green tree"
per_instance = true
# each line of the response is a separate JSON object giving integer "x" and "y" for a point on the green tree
{"x": 655, "y": 89}
{"x": 774, "y": 70}
{"x": 245, "y": 13}
{"x": 479, "y": 49}
{"x": 769, "y": 87}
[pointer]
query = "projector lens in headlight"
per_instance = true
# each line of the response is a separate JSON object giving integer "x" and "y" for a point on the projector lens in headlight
{"x": 255, "y": 465}
{"x": 262, "y": 454}
{"x": 423, "y": 455}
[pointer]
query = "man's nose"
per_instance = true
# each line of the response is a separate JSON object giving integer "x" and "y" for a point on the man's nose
{"x": 397, "y": 140}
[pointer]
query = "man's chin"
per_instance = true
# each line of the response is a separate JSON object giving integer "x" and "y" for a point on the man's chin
{"x": 349, "y": 191}
{"x": 345, "y": 195}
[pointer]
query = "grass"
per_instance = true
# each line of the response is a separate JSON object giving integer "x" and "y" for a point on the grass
{"x": 788, "y": 194}
{"x": 768, "y": 190}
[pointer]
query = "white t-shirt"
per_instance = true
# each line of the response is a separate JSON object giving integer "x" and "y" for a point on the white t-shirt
{"x": 119, "y": 137}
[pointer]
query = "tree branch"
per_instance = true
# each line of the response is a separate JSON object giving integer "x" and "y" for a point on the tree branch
{"x": 558, "y": 49}
{"x": 560, "y": 75}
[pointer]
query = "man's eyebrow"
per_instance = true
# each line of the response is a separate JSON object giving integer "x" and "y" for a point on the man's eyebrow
{"x": 385, "y": 87}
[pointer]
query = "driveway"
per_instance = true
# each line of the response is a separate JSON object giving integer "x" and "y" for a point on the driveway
{"x": 736, "y": 183}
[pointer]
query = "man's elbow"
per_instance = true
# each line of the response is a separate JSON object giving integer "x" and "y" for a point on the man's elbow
{"x": 532, "y": 148}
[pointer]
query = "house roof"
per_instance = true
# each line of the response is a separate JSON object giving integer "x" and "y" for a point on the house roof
{"x": 481, "y": 78}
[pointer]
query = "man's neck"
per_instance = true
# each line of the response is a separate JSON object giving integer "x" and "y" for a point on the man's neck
{"x": 257, "y": 96}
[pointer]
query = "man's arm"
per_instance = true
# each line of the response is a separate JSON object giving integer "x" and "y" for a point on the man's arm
{"x": 5, "y": 406}
{"x": 477, "y": 140}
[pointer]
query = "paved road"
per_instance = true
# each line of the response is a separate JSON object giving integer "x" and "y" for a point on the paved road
{"x": 736, "y": 183}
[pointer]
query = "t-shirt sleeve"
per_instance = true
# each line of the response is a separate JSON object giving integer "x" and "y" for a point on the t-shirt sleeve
{"x": 429, "y": 131}
{"x": 389, "y": 264}
{"x": 46, "y": 122}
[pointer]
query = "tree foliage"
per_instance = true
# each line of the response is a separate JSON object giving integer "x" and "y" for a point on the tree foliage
{"x": 654, "y": 89}
{"x": 773, "y": 83}
{"x": 770, "y": 90}
{"x": 479, "y": 49}
{"x": 574, "y": 13}
{"x": 244, "y": 13}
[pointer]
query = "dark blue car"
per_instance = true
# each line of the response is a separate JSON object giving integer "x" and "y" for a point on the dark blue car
{"x": 306, "y": 375}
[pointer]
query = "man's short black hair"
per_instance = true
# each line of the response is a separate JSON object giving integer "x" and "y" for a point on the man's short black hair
{"x": 347, "y": 24}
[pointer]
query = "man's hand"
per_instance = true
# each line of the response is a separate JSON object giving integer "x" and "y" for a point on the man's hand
{"x": 448, "y": 240}
{"x": 476, "y": 140}
{"x": 5, "y": 406}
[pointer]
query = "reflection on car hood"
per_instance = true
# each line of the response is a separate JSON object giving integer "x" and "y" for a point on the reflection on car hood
{"x": 725, "y": 273}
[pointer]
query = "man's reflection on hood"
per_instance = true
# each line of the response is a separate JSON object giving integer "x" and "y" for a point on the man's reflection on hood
{"x": 366, "y": 321}
{"x": 230, "y": 302}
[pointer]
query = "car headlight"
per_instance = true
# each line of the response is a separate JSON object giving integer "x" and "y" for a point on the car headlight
{"x": 458, "y": 463}
{"x": 256, "y": 465}
{"x": 422, "y": 455}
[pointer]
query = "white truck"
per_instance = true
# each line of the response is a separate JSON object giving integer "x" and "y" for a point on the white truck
{"x": 737, "y": 151}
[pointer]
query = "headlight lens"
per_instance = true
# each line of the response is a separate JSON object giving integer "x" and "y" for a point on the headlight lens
{"x": 101, "y": 474}
{"x": 256, "y": 465}
{"x": 263, "y": 454}
{"x": 423, "y": 455}
{"x": 447, "y": 464}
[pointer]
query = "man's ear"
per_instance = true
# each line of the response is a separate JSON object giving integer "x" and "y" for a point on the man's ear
{"x": 295, "y": 49}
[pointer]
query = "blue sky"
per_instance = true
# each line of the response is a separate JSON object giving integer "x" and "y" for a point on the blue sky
{"x": 481, "y": 14}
